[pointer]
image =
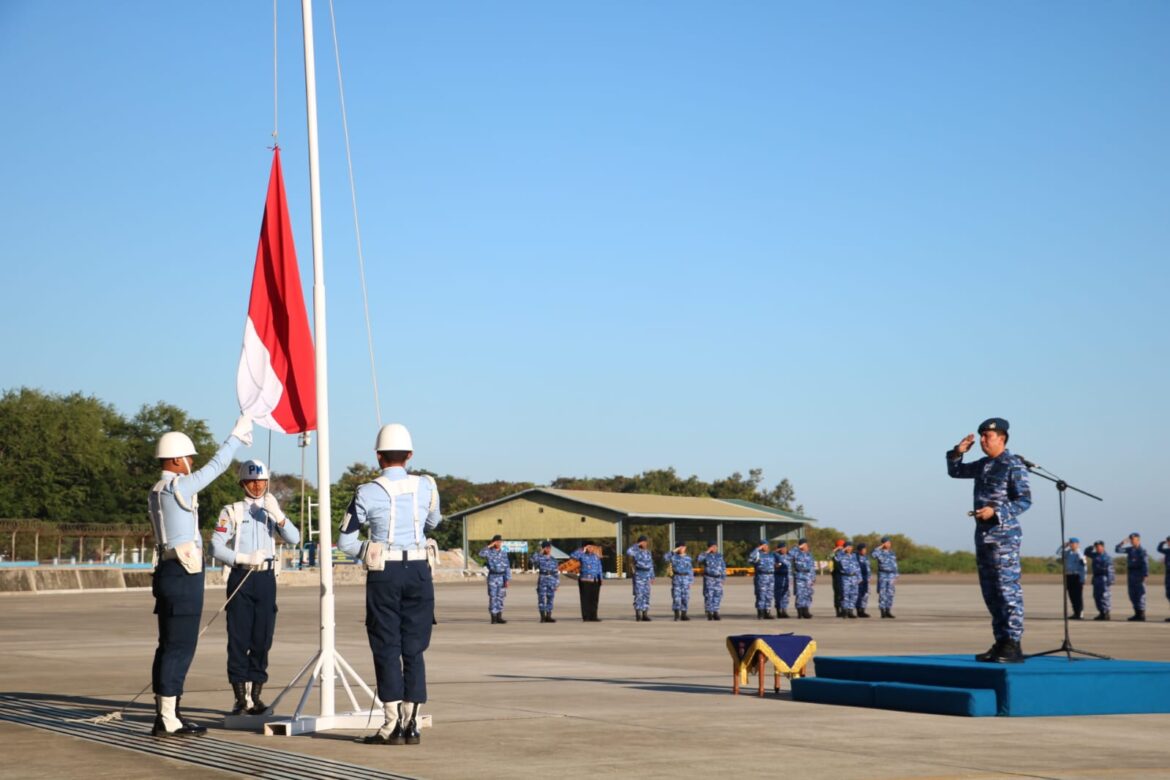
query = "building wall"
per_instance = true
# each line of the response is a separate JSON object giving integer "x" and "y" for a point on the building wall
{"x": 523, "y": 518}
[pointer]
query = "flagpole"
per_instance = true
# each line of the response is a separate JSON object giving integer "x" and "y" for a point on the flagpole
{"x": 324, "y": 512}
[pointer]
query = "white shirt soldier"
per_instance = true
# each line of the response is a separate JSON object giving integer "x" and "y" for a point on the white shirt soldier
{"x": 245, "y": 539}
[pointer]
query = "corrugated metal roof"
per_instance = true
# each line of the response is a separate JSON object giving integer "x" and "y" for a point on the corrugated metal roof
{"x": 648, "y": 505}
{"x": 771, "y": 509}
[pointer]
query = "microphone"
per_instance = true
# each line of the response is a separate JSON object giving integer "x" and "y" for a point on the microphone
{"x": 1026, "y": 462}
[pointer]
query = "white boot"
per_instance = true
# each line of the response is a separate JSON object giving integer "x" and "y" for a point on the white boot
{"x": 166, "y": 711}
{"x": 388, "y": 732}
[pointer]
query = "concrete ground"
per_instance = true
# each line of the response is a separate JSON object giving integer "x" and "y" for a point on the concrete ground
{"x": 615, "y": 698}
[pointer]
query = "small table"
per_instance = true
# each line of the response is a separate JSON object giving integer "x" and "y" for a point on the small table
{"x": 789, "y": 654}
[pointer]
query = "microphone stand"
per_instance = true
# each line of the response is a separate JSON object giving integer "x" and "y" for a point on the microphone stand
{"x": 1066, "y": 646}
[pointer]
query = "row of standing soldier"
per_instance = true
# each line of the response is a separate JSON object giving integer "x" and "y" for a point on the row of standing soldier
{"x": 1100, "y": 566}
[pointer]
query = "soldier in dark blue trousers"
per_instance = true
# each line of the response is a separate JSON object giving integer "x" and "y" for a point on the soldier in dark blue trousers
{"x": 1137, "y": 568}
{"x": 1164, "y": 548}
{"x": 714, "y": 573}
{"x": 783, "y": 580}
{"x": 1001, "y": 495}
{"x": 1103, "y": 577}
{"x": 862, "y": 554}
{"x": 547, "y": 581}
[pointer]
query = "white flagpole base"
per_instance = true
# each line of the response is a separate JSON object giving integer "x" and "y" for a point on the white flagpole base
{"x": 352, "y": 721}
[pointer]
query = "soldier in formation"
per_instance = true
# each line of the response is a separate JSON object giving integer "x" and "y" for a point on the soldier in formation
{"x": 764, "y": 580}
{"x": 783, "y": 580}
{"x": 589, "y": 580}
{"x": 1001, "y": 495}
{"x": 862, "y": 553}
{"x": 1137, "y": 568}
{"x": 1074, "y": 575}
{"x": 245, "y": 540}
{"x": 850, "y": 579}
{"x": 714, "y": 573}
{"x": 804, "y": 574}
{"x": 498, "y": 577}
{"x": 887, "y": 574}
{"x": 642, "y": 563}
{"x": 1164, "y": 549}
{"x": 682, "y": 576}
{"x": 1103, "y": 577}
{"x": 548, "y": 579}
{"x": 835, "y": 575}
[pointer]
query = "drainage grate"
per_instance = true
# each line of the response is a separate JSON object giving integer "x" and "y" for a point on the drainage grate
{"x": 206, "y": 751}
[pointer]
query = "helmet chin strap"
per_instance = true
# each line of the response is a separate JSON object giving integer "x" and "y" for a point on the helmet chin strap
{"x": 250, "y": 494}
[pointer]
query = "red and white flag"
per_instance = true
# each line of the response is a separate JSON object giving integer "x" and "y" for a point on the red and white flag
{"x": 276, "y": 379}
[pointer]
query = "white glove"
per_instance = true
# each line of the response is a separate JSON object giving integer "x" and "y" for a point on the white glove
{"x": 272, "y": 507}
{"x": 243, "y": 430}
{"x": 253, "y": 558}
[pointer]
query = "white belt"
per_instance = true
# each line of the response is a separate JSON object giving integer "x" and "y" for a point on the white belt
{"x": 392, "y": 556}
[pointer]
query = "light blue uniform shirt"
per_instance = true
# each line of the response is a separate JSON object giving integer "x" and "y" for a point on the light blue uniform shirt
{"x": 254, "y": 527}
{"x": 370, "y": 508}
{"x": 177, "y": 504}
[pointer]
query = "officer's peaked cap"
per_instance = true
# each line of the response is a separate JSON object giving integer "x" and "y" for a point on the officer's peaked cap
{"x": 994, "y": 424}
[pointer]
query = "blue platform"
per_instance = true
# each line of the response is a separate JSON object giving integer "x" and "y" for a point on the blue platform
{"x": 959, "y": 685}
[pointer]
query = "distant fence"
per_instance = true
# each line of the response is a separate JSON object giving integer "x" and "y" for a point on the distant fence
{"x": 44, "y": 542}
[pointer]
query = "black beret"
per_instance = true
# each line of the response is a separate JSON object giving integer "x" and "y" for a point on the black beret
{"x": 497, "y": 538}
{"x": 994, "y": 424}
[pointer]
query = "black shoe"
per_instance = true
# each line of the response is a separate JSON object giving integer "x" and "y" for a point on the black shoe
{"x": 861, "y": 613}
{"x": 548, "y": 618}
{"x": 684, "y": 617}
{"x": 890, "y": 614}
{"x": 410, "y": 733}
{"x": 494, "y": 621}
{"x": 191, "y": 727}
{"x": 500, "y": 618}
{"x": 1010, "y": 653}
{"x": 768, "y": 615}
{"x": 186, "y": 730}
{"x": 808, "y": 615}
{"x": 377, "y": 739}
{"x": 1138, "y": 617}
{"x": 1077, "y": 616}
{"x": 676, "y": 615}
{"x": 637, "y": 616}
{"x": 708, "y": 614}
{"x": 241, "y": 704}
{"x": 849, "y": 614}
{"x": 397, "y": 736}
{"x": 715, "y": 616}
{"x": 1101, "y": 616}
{"x": 782, "y": 614}
{"x": 258, "y": 707}
{"x": 991, "y": 653}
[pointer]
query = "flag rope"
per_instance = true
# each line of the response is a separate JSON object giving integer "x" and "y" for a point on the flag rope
{"x": 356, "y": 223}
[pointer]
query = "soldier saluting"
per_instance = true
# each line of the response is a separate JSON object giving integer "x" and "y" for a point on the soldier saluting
{"x": 1001, "y": 495}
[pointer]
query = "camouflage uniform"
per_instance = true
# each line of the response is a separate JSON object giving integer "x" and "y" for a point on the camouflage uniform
{"x": 499, "y": 572}
{"x": 765, "y": 563}
{"x": 1000, "y": 483}
{"x": 682, "y": 576}
{"x": 714, "y": 573}
{"x": 1103, "y": 577}
{"x": 547, "y": 581}
{"x": 643, "y": 576}
{"x": 887, "y": 573}
{"x": 804, "y": 574}
{"x": 863, "y": 583}
{"x": 1137, "y": 568}
{"x": 850, "y": 579}
{"x": 783, "y": 583}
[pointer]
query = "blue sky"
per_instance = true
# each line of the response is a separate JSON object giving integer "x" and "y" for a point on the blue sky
{"x": 821, "y": 239}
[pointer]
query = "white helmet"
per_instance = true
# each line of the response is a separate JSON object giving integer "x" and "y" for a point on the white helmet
{"x": 394, "y": 437}
{"x": 174, "y": 445}
{"x": 252, "y": 469}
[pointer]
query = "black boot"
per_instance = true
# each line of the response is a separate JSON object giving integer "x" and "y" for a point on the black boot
{"x": 890, "y": 614}
{"x": 1010, "y": 653}
{"x": 782, "y": 614}
{"x": 1139, "y": 616}
{"x": 759, "y": 614}
{"x": 500, "y": 618}
{"x": 850, "y": 614}
{"x": 709, "y": 615}
{"x": 684, "y": 616}
{"x": 1101, "y": 616}
{"x": 493, "y": 615}
{"x": 676, "y": 616}
{"x": 645, "y": 616}
{"x": 543, "y": 618}
{"x": 548, "y": 618}
{"x": 861, "y": 613}
{"x": 410, "y": 729}
{"x": 991, "y": 654}
{"x": 258, "y": 707}
{"x": 715, "y": 616}
{"x": 240, "y": 689}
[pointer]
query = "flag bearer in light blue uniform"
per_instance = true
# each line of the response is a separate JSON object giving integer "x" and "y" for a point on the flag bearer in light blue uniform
{"x": 682, "y": 576}
{"x": 173, "y": 504}
{"x": 245, "y": 539}
{"x": 396, "y": 509}
{"x": 498, "y": 577}
{"x": 643, "y": 564}
{"x": 714, "y": 573}
{"x": 1137, "y": 568}
{"x": 547, "y": 581}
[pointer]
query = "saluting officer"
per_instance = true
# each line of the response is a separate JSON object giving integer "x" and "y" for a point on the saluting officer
{"x": 547, "y": 581}
{"x": 1103, "y": 577}
{"x": 643, "y": 564}
{"x": 682, "y": 576}
{"x": 589, "y": 580}
{"x": 714, "y": 573}
{"x": 173, "y": 504}
{"x": 396, "y": 509}
{"x": 804, "y": 574}
{"x": 1001, "y": 495}
{"x": 498, "y": 577}
{"x": 245, "y": 540}
{"x": 850, "y": 579}
{"x": 887, "y": 575}
{"x": 862, "y": 554}
{"x": 764, "y": 579}
{"x": 1137, "y": 568}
